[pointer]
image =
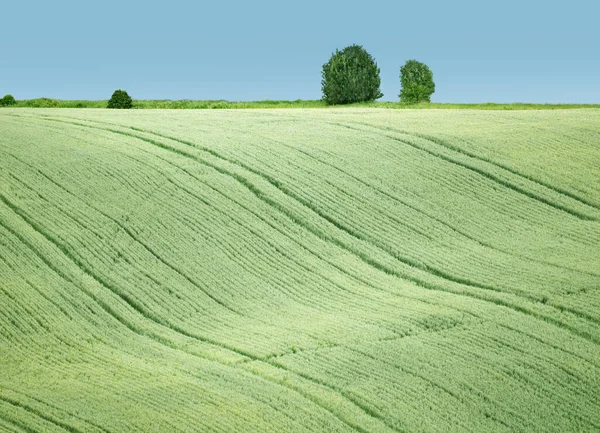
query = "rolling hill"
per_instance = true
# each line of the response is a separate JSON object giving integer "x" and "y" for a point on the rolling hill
{"x": 299, "y": 270}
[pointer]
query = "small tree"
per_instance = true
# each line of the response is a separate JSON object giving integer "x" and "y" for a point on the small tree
{"x": 350, "y": 75}
{"x": 417, "y": 82}
{"x": 120, "y": 99}
{"x": 7, "y": 100}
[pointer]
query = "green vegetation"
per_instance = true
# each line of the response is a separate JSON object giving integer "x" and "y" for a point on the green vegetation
{"x": 42, "y": 103}
{"x": 7, "y": 101}
{"x": 332, "y": 270}
{"x": 222, "y": 104}
{"x": 120, "y": 99}
{"x": 417, "y": 82}
{"x": 351, "y": 75}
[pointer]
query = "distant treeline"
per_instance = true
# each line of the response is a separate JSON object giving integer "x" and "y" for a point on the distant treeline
{"x": 350, "y": 77}
{"x": 222, "y": 104}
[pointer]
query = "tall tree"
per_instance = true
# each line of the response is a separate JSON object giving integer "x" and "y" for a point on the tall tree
{"x": 350, "y": 75}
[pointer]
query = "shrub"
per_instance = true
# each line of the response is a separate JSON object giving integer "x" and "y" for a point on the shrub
{"x": 7, "y": 100}
{"x": 417, "y": 82}
{"x": 351, "y": 75}
{"x": 41, "y": 103}
{"x": 120, "y": 99}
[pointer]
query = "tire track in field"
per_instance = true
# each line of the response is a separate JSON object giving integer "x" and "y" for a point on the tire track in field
{"x": 507, "y": 184}
{"x": 358, "y": 221}
{"x": 348, "y": 197}
{"x": 41, "y": 415}
{"x": 256, "y": 191}
{"x": 135, "y": 239}
{"x": 95, "y": 208}
{"x": 179, "y": 330}
{"x": 252, "y": 212}
{"x": 17, "y": 426}
{"x": 11, "y": 426}
{"x": 149, "y": 402}
{"x": 453, "y": 228}
{"x": 319, "y": 233}
{"x": 47, "y": 327}
{"x": 45, "y": 403}
{"x": 306, "y": 395}
{"x": 47, "y": 117}
{"x": 278, "y": 185}
{"x": 548, "y": 384}
{"x": 208, "y": 185}
{"x": 144, "y": 399}
{"x": 450, "y": 146}
{"x": 369, "y": 284}
{"x": 87, "y": 229}
{"x": 138, "y": 308}
{"x": 445, "y": 389}
{"x": 478, "y": 342}
{"x": 127, "y": 299}
{"x": 416, "y": 229}
{"x": 44, "y": 295}
{"x": 544, "y": 342}
{"x": 278, "y": 249}
{"x": 537, "y": 338}
{"x": 286, "y": 235}
{"x": 228, "y": 216}
{"x": 336, "y": 390}
{"x": 61, "y": 274}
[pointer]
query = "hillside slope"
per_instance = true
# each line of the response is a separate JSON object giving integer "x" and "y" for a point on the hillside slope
{"x": 299, "y": 270}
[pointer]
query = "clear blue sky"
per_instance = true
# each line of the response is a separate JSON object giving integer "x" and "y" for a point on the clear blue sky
{"x": 501, "y": 51}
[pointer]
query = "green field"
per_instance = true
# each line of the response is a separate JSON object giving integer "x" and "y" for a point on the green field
{"x": 299, "y": 270}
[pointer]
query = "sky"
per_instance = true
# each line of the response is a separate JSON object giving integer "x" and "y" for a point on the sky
{"x": 479, "y": 51}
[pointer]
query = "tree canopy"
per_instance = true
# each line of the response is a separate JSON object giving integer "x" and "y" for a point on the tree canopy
{"x": 417, "y": 82}
{"x": 351, "y": 75}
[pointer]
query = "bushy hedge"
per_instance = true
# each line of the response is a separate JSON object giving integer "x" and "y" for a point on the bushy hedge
{"x": 351, "y": 75}
{"x": 7, "y": 101}
{"x": 120, "y": 99}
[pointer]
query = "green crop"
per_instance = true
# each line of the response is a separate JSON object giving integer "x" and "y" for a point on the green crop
{"x": 301, "y": 270}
